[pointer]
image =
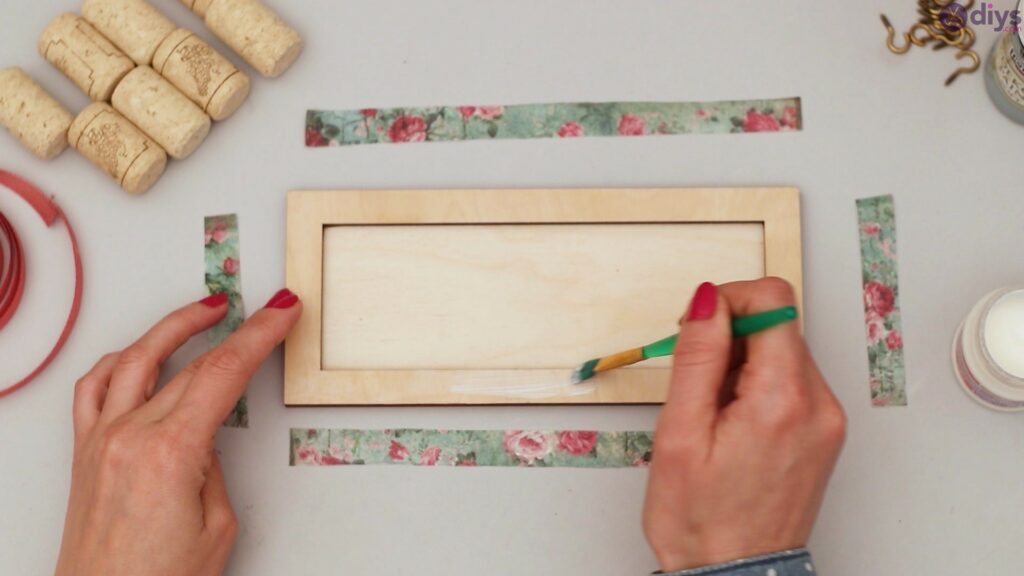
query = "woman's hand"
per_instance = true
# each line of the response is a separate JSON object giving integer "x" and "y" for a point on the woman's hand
{"x": 747, "y": 439}
{"x": 147, "y": 491}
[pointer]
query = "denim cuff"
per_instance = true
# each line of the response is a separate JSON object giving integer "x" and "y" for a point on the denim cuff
{"x": 789, "y": 563}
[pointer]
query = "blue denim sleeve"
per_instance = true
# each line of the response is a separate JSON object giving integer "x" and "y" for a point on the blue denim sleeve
{"x": 790, "y": 563}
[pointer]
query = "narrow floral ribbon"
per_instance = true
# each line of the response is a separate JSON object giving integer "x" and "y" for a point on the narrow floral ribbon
{"x": 522, "y": 448}
{"x": 12, "y": 268}
{"x": 447, "y": 123}
{"x": 877, "y": 218}
{"x": 223, "y": 269}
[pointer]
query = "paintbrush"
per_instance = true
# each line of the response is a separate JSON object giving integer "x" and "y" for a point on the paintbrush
{"x": 742, "y": 326}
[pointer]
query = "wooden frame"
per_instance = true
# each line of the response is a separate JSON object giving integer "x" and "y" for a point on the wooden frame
{"x": 311, "y": 212}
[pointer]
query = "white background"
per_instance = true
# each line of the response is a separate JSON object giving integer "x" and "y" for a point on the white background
{"x": 932, "y": 489}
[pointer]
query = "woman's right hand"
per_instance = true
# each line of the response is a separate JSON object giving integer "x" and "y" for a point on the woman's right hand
{"x": 746, "y": 441}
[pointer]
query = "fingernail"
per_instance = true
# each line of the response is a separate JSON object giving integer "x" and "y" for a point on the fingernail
{"x": 215, "y": 300}
{"x": 282, "y": 300}
{"x": 704, "y": 302}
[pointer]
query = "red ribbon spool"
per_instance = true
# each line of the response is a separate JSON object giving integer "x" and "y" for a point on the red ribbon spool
{"x": 12, "y": 267}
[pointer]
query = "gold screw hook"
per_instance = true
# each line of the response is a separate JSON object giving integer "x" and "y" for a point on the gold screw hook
{"x": 975, "y": 64}
{"x": 916, "y": 39}
{"x": 890, "y": 40}
{"x": 942, "y": 27}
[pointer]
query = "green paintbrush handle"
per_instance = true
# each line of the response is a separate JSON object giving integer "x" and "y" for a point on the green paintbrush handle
{"x": 660, "y": 348}
{"x": 743, "y": 326}
{"x": 747, "y": 325}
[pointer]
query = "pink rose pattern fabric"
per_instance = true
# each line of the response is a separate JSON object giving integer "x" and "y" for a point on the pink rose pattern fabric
{"x": 566, "y": 120}
{"x": 570, "y": 130}
{"x": 577, "y": 443}
{"x": 760, "y": 122}
{"x": 408, "y": 129}
{"x": 882, "y": 321}
{"x": 517, "y": 448}
{"x": 223, "y": 274}
{"x": 632, "y": 125}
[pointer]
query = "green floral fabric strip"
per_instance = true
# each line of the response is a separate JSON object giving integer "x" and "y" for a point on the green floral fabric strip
{"x": 523, "y": 448}
{"x": 223, "y": 268}
{"x": 877, "y": 218}
{"x": 449, "y": 123}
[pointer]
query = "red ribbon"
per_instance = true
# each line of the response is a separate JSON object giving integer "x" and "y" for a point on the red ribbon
{"x": 12, "y": 267}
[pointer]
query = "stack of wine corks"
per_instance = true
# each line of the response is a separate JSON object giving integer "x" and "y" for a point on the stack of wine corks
{"x": 156, "y": 87}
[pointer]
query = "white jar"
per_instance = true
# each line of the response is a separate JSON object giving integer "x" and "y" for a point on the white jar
{"x": 988, "y": 351}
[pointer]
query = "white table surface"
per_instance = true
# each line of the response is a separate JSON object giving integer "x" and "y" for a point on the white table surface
{"x": 932, "y": 489}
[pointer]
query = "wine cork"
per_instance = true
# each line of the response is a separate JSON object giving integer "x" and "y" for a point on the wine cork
{"x": 252, "y": 30}
{"x": 114, "y": 144}
{"x": 201, "y": 73}
{"x": 161, "y": 111}
{"x": 32, "y": 115}
{"x": 134, "y": 26}
{"x": 84, "y": 55}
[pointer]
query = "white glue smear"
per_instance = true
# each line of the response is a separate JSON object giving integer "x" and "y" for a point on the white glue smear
{"x": 530, "y": 391}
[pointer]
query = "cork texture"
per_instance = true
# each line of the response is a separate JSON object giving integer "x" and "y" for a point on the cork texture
{"x": 32, "y": 115}
{"x": 116, "y": 146}
{"x": 84, "y": 55}
{"x": 161, "y": 111}
{"x": 254, "y": 31}
{"x": 135, "y": 26}
{"x": 201, "y": 73}
{"x": 199, "y": 7}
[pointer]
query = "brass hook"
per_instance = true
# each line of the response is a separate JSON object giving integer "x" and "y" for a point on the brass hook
{"x": 916, "y": 40}
{"x": 934, "y": 28}
{"x": 975, "y": 64}
{"x": 958, "y": 38}
{"x": 891, "y": 38}
{"x": 970, "y": 38}
{"x": 965, "y": 42}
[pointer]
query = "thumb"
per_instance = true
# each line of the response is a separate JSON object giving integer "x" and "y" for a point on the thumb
{"x": 701, "y": 359}
{"x": 218, "y": 515}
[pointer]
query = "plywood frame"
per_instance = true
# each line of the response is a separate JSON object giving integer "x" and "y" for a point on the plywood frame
{"x": 310, "y": 212}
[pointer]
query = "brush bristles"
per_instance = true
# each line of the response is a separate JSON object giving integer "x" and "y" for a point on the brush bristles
{"x": 591, "y": 368}
{"x": 585, "y": 372}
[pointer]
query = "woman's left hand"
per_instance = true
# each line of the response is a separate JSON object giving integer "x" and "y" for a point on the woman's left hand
{"x": 147, "y": 491}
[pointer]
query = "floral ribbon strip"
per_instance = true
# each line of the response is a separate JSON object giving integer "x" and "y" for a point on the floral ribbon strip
{"x": 877, "y": 218}
{"x": 522, "y": 448}
{"x": 448, "y": 123}
{"x": 223, "y": 270}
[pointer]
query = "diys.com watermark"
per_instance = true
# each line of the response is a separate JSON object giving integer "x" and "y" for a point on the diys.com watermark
{"x": 956, "y": 17}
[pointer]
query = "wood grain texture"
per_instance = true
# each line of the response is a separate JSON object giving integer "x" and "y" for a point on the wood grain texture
{"x": 516, "y": 295}
{"x": 404, "y": 307}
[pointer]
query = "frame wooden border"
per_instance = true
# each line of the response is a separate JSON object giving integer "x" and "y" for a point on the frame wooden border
{"x": 306, "y": 383}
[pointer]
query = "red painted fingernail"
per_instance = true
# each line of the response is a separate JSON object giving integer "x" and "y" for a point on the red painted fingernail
{"x": 215, "y": 300}
{"x": 285, "y": 303}
{"x": 282, "y": 300}
{"x": 705, "y": 300}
